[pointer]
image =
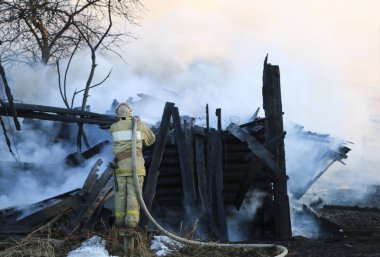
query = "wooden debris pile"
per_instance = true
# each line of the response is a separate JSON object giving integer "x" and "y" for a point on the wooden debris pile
{"x": 207, "y": 170}
{"x": 79, "y": 209}
{"x": 193, "y": 179}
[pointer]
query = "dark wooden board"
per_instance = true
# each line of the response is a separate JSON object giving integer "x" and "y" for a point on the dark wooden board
{"x": 158, "y": 152}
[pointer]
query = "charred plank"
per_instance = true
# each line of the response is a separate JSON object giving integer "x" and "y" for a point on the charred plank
{"x": 158, "y": 152}
{"x": 273, "y": 129}
{"x": 188, "y": 186}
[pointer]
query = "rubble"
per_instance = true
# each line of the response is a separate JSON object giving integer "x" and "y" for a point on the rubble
{"x": 194, "y": 173}
{"x": 79, "y": 209}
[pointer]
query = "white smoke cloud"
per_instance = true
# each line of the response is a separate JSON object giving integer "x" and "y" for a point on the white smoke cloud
{"x": 238, "y": 221}
{"x": 45, "y": 173}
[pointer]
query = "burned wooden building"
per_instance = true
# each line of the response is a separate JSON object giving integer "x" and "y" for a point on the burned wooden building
{"x": 195, "y": 174}
{"x": 218, "y": 167}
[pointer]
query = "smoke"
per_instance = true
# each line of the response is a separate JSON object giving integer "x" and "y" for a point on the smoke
{"x": 238, "y": 221}
{"x": 193, "y": 53}
{"x": 303, "y": 224}
{"x": 42, "y": 172}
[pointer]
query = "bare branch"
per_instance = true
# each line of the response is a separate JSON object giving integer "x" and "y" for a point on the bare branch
{"x": 67, "y": 68}
{"x": 60, "y": 85}
{"x": 97, "y": 84}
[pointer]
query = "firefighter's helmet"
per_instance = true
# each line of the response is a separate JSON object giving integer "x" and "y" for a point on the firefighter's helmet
{"x": 123, "y": 110}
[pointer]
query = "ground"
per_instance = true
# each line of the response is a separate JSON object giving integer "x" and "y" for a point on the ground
{"x": 33, "y": 245}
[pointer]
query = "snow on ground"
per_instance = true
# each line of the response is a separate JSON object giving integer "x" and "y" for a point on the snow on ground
{"x": 163, "y": 245}
{"x": 93, "y": 247}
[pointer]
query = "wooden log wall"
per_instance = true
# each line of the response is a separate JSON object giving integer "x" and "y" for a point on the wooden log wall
{"x": 224, "y": 172}
{"x": 207, "y": 172}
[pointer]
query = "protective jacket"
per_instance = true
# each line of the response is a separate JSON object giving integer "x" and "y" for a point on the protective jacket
{"x": 122, "y": 145}
{"x": 127, "y": 208}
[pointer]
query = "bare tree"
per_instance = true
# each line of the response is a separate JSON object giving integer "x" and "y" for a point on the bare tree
{"x": 93, "y": 31}
{"x": 47, "y": 31}
{"x": 44, "y": 31}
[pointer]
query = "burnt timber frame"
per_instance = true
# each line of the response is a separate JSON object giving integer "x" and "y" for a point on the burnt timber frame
{"x": 42, "y": 112}
{"x": 215, "y": 180}
{"x": 200, "y": 155}
{"x": 207, "y": 161}
{"x": 189, "y": 197}
{"x": 272, "y": 104}
{"x": 158, "y": 153}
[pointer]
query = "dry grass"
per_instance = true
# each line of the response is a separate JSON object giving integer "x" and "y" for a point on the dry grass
{"x": 142, "y": 242}
{"x": 32, "y": 245}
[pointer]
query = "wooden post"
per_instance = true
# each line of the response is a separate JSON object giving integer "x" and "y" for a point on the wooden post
{"x": 158, "y": 152}
{"x": 189, "y": 142}
{"x": 204, "y": 185}
{"x": 200, "y": 165}
{"x": 273, "y": 128}
{"x": 215, "y": 178}
{"x": 189, "y": 196}
{"x": 207, "y": 120}
{"x": 218, "y": 114}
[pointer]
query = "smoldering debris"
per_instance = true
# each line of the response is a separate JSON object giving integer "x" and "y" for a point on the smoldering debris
{"x": 79, "y": 209}
{"x": 21, "y": 220}
{"x": 224, "y": 168}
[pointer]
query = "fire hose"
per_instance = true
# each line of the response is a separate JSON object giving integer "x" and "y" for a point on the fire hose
{"x": 284, "y": 250}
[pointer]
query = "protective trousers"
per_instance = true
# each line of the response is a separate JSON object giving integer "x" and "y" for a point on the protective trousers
{"x": 127, "y": 208}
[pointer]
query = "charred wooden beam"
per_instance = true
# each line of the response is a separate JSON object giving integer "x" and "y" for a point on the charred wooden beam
{"x": 158, "y": 152}
{"x": 204, "y": 193}
{"x": 204, "y": 197}
{"x": 57, "y": 114}
{"x": 11, "y": 105}
{"x": 298, "y": 194}
{"x": 188, "y": 185}
{"x": 218, "y": 114}
{"x": 11, "y": 215}
{"x": 189, "y": 142}
{"x": 207, "y": 120}
{"x": 96, "y": 204}
{"x": 76, "y": 159}
{"x": 256, "y": 147}
{"x": 46, "y": 214}
{"x": 95, "y": 191}
{"x": 274, "y": 128}
{"x": 215, "y": 180}
{"x": 252, "y": 123}
{"x": 58, "y": 110}
{"x": 91, "y": 179}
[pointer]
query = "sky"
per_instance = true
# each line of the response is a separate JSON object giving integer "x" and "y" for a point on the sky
{"x": 328, "y": 51}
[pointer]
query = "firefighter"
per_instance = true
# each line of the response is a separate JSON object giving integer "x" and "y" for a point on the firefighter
{"x": 127, "y": 208}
